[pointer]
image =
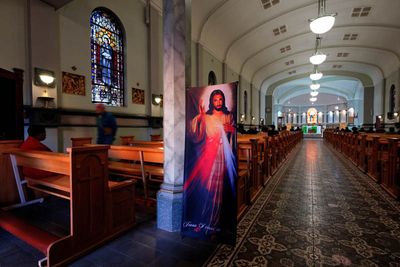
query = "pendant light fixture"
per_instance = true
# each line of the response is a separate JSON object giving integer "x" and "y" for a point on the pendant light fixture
{"x": 315, "y": 86}
{"x": 315, "y": 76}
{"x": 318, "y": 57}
{"x": 323, "y": 23}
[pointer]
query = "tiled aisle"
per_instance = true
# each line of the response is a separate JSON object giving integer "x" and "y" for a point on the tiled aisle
{"x": 323, "y": 212}
{"x": 318, "y": 210}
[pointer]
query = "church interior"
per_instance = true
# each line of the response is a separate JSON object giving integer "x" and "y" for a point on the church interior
{"x": 96, "y": 142}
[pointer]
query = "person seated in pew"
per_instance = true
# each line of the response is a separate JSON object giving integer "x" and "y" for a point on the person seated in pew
{"x": 355, "y": 130}
{"x": 397, "y": 125}
{"x": 370, "y": 130}
{"x": 33, "y": 142}
{"x": 241, "y": 129}
{"x": 252, "y": 130}
{"x": 272, "y": 131}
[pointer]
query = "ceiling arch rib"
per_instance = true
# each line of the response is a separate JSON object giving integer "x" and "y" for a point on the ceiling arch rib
{"x": 284, "y": 12}
{"x": 347, "y": 85}
{"x": 310, "y": 36}
{"x": 253, "y": 28}
{"x": 389, "y": 57}
{"x": 301, "y": 91}
{"x": 208, "y": 16}
{"x": 261, "y": 80}
{"x": 269, "y": 86}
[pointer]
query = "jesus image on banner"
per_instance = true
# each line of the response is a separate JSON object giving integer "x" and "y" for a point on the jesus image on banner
{"x": 210, "y": 170}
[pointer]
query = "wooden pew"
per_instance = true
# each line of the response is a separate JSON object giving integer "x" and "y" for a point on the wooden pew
{"x": 378, "y": 156}
{"x": 8, "y": 188}
{"x": 255, "y": 184}
{"x": 126, "y": 140}
{"x": 139, "y": 143}
{"x": 155, "y": 137}
{"x": 100, "y": 209}
{"x": 244, "y": 167}
{"x": 390, "y": 168}
{"x": 138, "y": 163}
{"x": 80, "y": 141}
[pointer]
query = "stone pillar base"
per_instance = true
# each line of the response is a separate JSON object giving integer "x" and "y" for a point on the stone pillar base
{"x": 169, "y": 208}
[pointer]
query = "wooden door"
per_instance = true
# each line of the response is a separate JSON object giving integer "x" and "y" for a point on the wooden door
{"x": 11, "y": 127}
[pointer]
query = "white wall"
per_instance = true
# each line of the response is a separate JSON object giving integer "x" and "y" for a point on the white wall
{"x": 75, "y": 49}
{"x": 208, "y": 63}
{"x": 44, "y": 49}
{"x": 13, "y": 45}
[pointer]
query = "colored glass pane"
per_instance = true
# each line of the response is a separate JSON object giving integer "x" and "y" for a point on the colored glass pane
{"x": 107, "y": 54}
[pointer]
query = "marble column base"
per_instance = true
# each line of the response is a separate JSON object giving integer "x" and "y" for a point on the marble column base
{"x": 169, "y": 208}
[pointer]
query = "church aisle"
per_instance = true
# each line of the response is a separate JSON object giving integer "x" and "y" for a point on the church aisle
{"x": 319, "y": 210}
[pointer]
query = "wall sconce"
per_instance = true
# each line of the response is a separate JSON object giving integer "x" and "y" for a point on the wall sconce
{"x": 242, "y": 118}
{"x": 44, "y": 78}
{"x": 253, "y": 118}
{"x": 156, "y": 99}
{"x": 396, "y": 114}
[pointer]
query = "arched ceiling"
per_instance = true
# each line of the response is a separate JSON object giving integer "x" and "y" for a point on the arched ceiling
{"x": 240, "y": 33}
{"x": 323, "y": 99}
{"x": 346, "y": 87}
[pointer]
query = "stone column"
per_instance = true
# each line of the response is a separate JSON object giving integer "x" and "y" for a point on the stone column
{"x": 177, "y": 38}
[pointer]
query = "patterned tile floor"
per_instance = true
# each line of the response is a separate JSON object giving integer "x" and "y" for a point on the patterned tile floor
{"x": 318, "y": 210}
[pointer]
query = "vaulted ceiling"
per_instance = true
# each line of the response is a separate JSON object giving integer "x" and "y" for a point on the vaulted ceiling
{"x": 271, "y": 45}
{"x": 268, "y": 42}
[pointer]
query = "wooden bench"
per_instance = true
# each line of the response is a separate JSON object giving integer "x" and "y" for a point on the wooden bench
{"x": 100, "y": 209}
{"x": 138, "y": 163}
{"x": 155, "y": 137}
{"x": 244, "y": 169}
{"x": 80, "y": 141}
{"x": 139, "y": 143}
{"x": 8, "y": 188}
{"x": 378, "y": 156}
{"x": 126, "y": 140}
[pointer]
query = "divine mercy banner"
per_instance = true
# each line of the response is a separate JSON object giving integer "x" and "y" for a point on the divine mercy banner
{"x": 209, "y": 196}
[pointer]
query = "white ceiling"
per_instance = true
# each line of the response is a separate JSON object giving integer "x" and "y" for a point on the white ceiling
{"x": 331, "y": 85}
{"x": 323, "y": 99}
{"x": 240, "y": 33}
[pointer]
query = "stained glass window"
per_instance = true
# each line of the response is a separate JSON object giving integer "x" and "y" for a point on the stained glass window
{"x": 107, "y": 58}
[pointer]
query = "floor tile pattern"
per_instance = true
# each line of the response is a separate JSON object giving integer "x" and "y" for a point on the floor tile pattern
{"x": 319, "y": 210}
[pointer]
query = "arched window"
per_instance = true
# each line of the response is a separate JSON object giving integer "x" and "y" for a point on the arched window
{"x": 107, "y": 46}
{"x": 212, "y": 78}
